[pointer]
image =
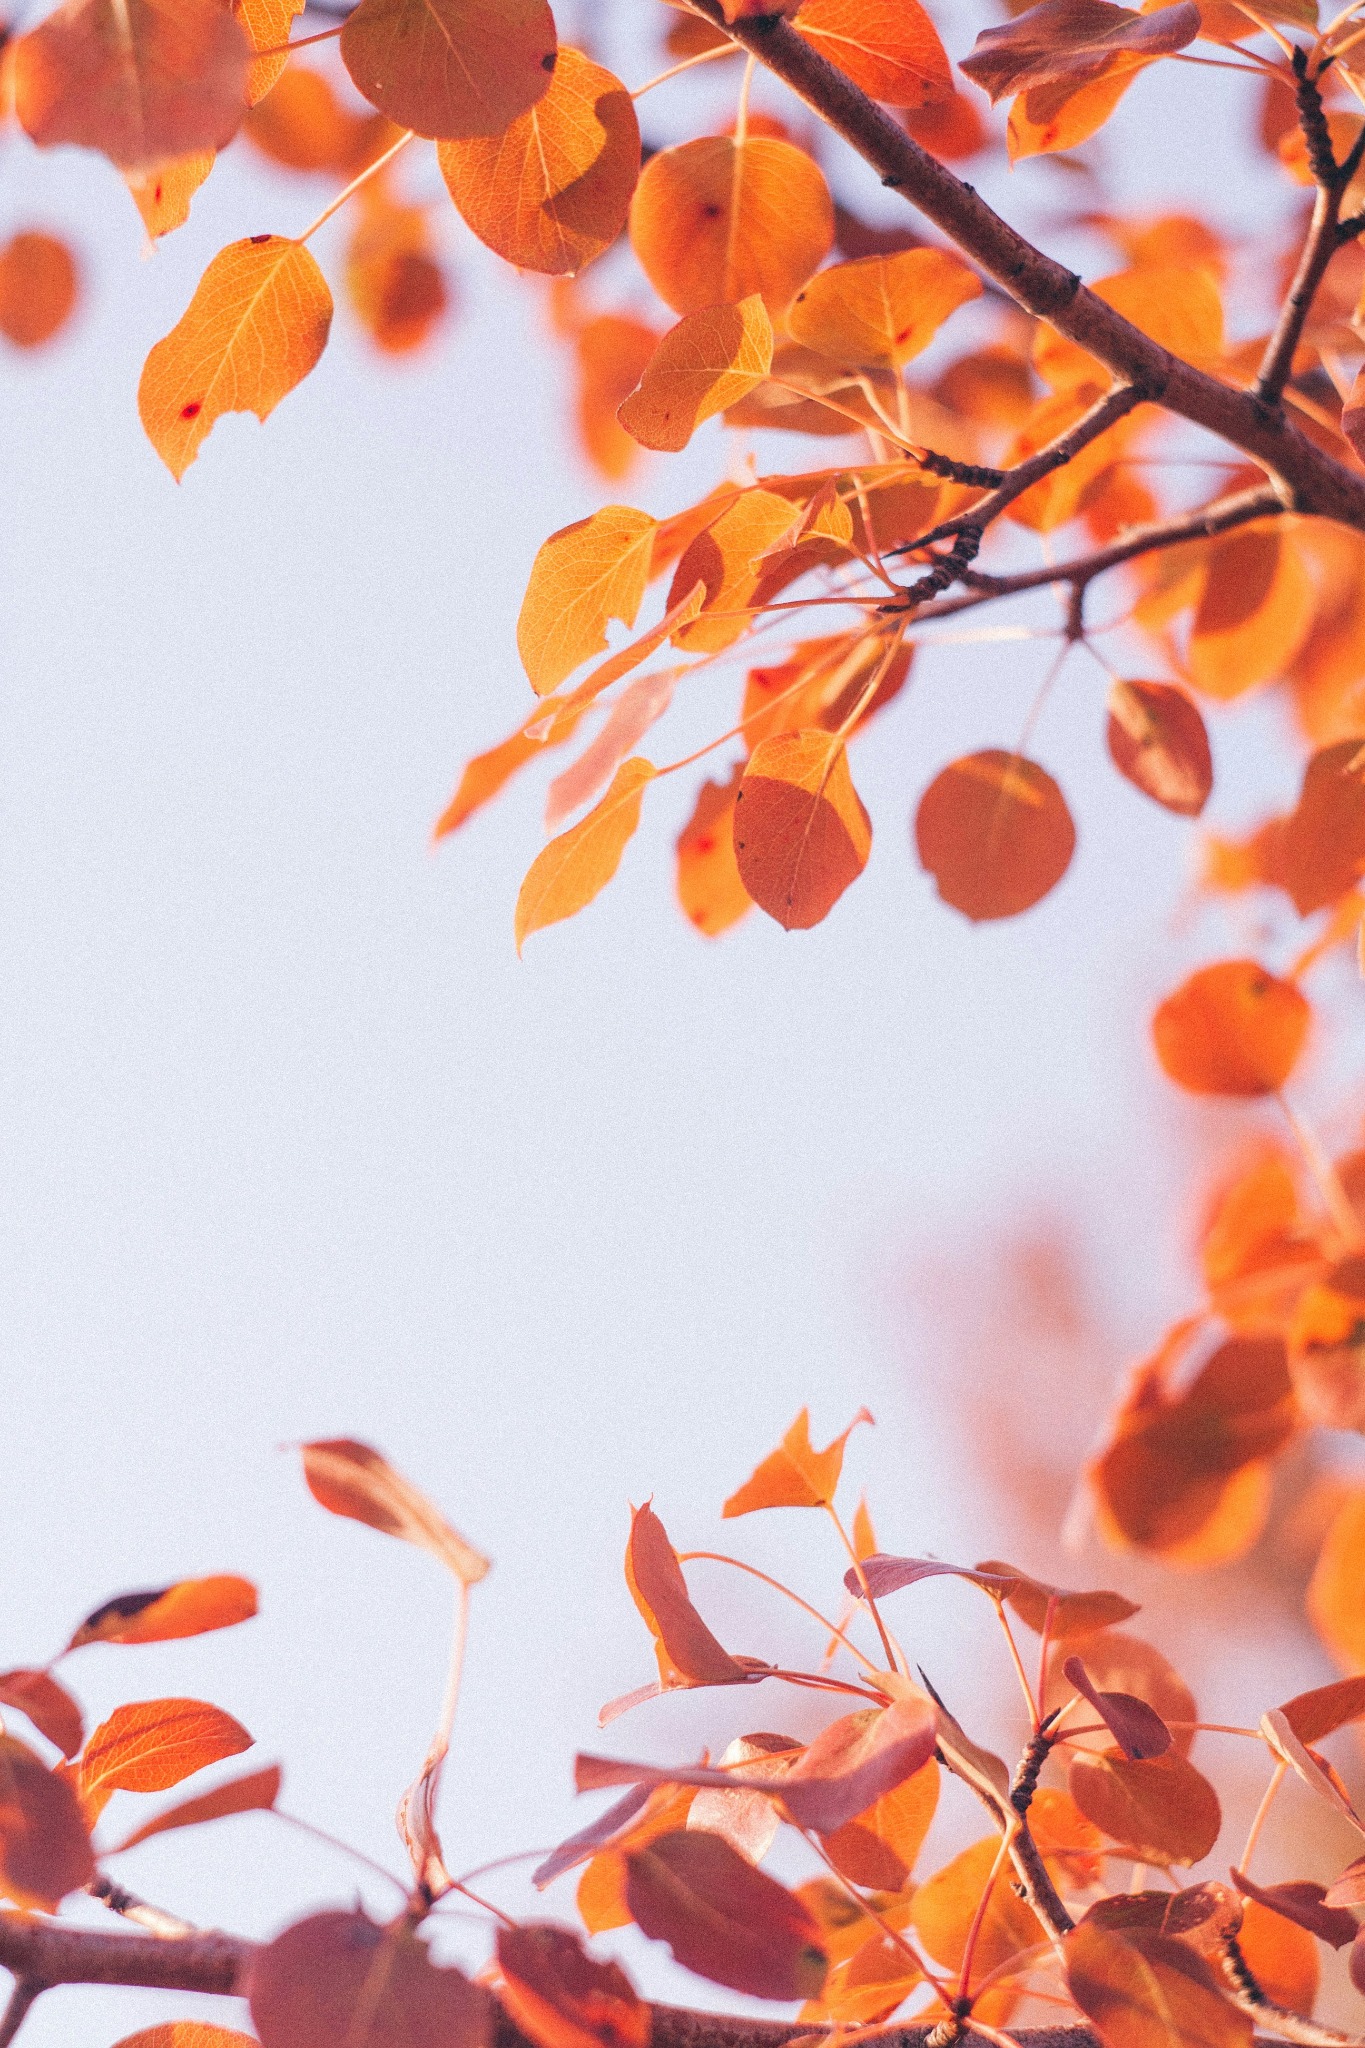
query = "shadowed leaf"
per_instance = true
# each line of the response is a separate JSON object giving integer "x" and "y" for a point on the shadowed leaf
{"x": 1160, "y": 1806}
{"x": 256, "y": 1793}
{"x": 192, "y": 1607}
{"x": 1144, "y": 1990}
{"x": 802, "y": 835}
{"x": 715, "y": 220}
{"x": 451, "y": 68}
{"x": 563, "y": 1998}
{"x": 44, "y": 1844}
{"x": 1073, "y": 41}
{"x": 48, "y": 1706}
{"x": 1157, "y": 739}
{"x": 338, "y": 1978}
{"x": 723, "y": 1919}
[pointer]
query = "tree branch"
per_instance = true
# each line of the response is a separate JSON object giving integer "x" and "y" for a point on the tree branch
{"x": 1315, "y": 481}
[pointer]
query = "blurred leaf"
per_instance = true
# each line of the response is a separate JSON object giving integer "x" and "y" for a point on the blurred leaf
{"x": 1231, "y": 1029}
{"x": 48, "y": 1706}
{"x": 257, "y": 1792}
{"x": 191, "y": 1607}
{"x": 348, "y": 1478}
{"x": 795, "y": 1476}
{"x": 44, "y": 1843}
{"x": 561, "y": 1997}
{"x": 338, "y": 1978}
{"x": 451, "y": 68}
{"x": 723, "y": 1919}
{"x": 994, "y": 831}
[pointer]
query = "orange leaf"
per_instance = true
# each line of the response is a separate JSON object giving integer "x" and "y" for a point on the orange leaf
{"x": 601, "y": 1897}
{"x": 552, "y": 191}
{"x": 1156, "y": 738}
{"x": 44, "y": 1845}
{"x": 256, "y": 1793}
{"x": 1254, "y": 612}
{"x": 48, "y": 1706}
{"x": 880, "y": 311}
{"x": 303, "y": 125}
{"x": 1145, "y": 1990}
{"x": 1125, "y": 1663}
{"x": 1073, "y": 41}
{"x": 140, "y": 80}
{"x": 1062, "y": 114}
{"x": 162, "y": 195}
{"x": 715, "y": 220}
{"x": 726, "y": 558}
{"x": 945, "y": 1907}
{"x": 705, "y": 363}
{"x": 1321, "y": 1712}
{"x": 38, "y": 288}
{"x": 994, "y": 831}
{"x": 349, "y": 1478}
{"x": 338, "y": 1978}
{"x": 256, "y": 326}
{"x": 1161, "y": 1807}
{"x": 1319, "y": 851}
{"x": 1327, "y": 1347}
{"x": 660, "y": 1592}
{"x": 394, "y": 283}
{"x": 801, "y": 833}
{"x": 487, "y": 773}
{"x": 267, "y": 24}
{"x": 724, "y": 1919}
{"x": 1231, "y": 1029}
{"x": 888, "y": 47}
{"x": 451, "y": 68}
{"x": 1072, "y": 1614}
{"x": 563, "y": 1998}
{"x": 878, "y": 1847}
{"x": 710, "y": 890}
{"x": 574, "y": 868}
{"x": 612, "y": 353}
{"x": 151, "y": 1745}
{"x": 582, "y": 576}
{"x": 795, "y": 1476}
{"x": 192, "y": 1607}
{"x": 1281, "y": 1955}
{"x": 1177, "y": 305}
{"x": 1336, "y": 1591}
{"x": 187, "y": 2034}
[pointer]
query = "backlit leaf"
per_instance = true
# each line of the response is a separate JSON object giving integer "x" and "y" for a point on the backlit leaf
{"x": 303, "y": 125}
{"x": 582, "y": 576}
{"x": 1305, "y": 1905}
{"x": 192, "y": 1607}
{"x": 1322, "y": 1711}
{"x": 724, "y": 1919}
{"x": 878, "y": 1847}
{"x": 349, "y": 1478}
{"x": 451, "y": 68}
{"x": 576, "y": 867}
{"x": 338, "y": 1978}
{"x": 1327, "y": 1347}
{"x": 880, "y": 311}
{"x": 1254, "y": 610}
{"x": 994, "y": 831}
{"x": 151, "y": 1745}
{"x": 945, "y": 1907}
{"x": 1073, "y": 41}
{"x": 267, "y": 24}
{"x": 710, "y": 359}
{"x": 1319, "y": 850}
{"x": 748, "y": 1820}
{"x": 659, "y": 1590}
{"x": 795, "y": 1475}
{"x": 162, "y": 195}
{"x": 601, "y": 1895}
{"x": 38, "y": 288}
{"x": 801, "y": 832}
{"x": 639, "y": 707}
{"x": 140, "y": 80}
{"x": 1231, "y": 1029}
{"x": 1336, "y": 1591}
{"x": 1145, "y": 1990}
{"x": 187, "y": 2034}
{"x": 1125, "y": 1663}
{"x": 710, "y": 890}
{"x": 255, "y": 1793}
{"x": 715, "y": 220}
{"x": 48, "y": 1706}
{"x": 1063, "y": 114}
{"x": 1066, "y": 1615}
{"x": 44, "y": 1844}
{"x": 1314, "y": 1770}
{"x": 1161, "y": 1806}
{"x": 562, "y": 1997}
{"x": 551, "y": 192}
{"x": 611, "y": 352}
{"x": 888, "y": 47}
{"x": 1157, "y": 739}
{"x": 1282, "y": 1955}
{"x": 257, "y": 324}
{"x": 727, "y": 559}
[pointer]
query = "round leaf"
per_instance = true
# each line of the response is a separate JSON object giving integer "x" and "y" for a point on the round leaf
{"x": 801, "y": 833}
{"x": 451, "y": 68}
{"x": 1157, "y": 739}
{"x": 994, "y": 831}
{"x": 1231, "y": 1029}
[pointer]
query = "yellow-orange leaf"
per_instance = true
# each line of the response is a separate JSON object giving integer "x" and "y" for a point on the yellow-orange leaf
{"x": 1146, "y": 1990}
{"x": 612, "y": 353}
{"x": 255, "y": 327}
{"x": 1231, "y": 1029}
{"x": 1177, "y": 305}
{"x": 877, "y": 1848}
{"x": 303, "y": 125}
{"x": 1336, "y": 1591}
{"x": 44, "y": 1845}
{"x": 38, "y": 288}
{"x": 709, "y": 887}
{"x": 945, "y": 1907}
{"x": 1256, "y": 607}
{"x": 561, "y": 1997}
{"x": 582, "y": 576}
{"x": 1282, "y": 1957}
{"x": 349, "y": 1478}
{"x": 705, "y": 363}
{"x": 888, "y": 47}
{"x": 162, "y": 195}
{"x": 151, "y": 1745}
{"x": 451, "y": 68}
{"x": 795, "y": 1475}
{"x": 577, "y": 866}
{"x": 715, "y": 220}
{"x": 396, "y": 287}
{"x": 140, "y": 80}
{"x": 267, "y": 24}
{"x": 187, "y": 2034}
{"x": 801, "y": 833}
{"x": 726, "y": 558}
{"x": 552, "y": 192}
{"x": 994, "y": 831}
{"x": 1062, "y": 114}
{"x": 192, "y": 1607}
{"x": 255, "y": 1793}
{"x": 880, "y": 310}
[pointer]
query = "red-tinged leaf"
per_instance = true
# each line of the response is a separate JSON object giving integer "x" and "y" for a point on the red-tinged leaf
{"x": 601, "y": 1894}
{"x": 551, "y": 192}
{"x": 578, "y": 1848}
{"x": 39, "y": 287}
{"x": 1161, "y": 1807}
{"x": 711, "y": 359}
{"x": 634, "y": 713}
{"x": 723, "y": 1919}
{"x": 573, "y": 869}
{"x": 994, "y": 831}
{"x": 1119, "y": 1662}
{"x": 1306, "y": 1905}
{"x": 151, "y": 1745}
{"x": 710, "y": 890}
{"x": 1157, "y": 739}
{"x": 717, "y": 219}
{"x": 802, "y": 835}
{"x": 48, "y": 1706}
{"x": 1231, "y": 1029}
{"x": 885, "y": 1575}
{"x": 659, "y": 1590}
{"x": 878, "y": 1848}
{"x": 795, "y": 1476}
{"x": 748, "y": 1820}
{"x": 1066, "y": 1615}
{"x": 879, "y": 311}
{"x": 256, "y": 1793}
{"x": 888, "y": 47}
{"x": 1319, "y": 849}
{"x": 1073, "y": 41}
{"x": 1137, "y": 1728}
{"x": 396, "y": 287}
{"x": 1357, "y": 1965}
{"x": 1353, "y": 414}
{"x": 584, "y": 575}
{"x": 143, "y": 81}
{"x": 1314, "y": 1770}
{"x": 1322, "y": 1711}
{"x": 337, "y": 1978}
{"x": 562, "y": 1997}
{"x": 191, "y": 1607}
{"x": 1349, "y": 1889}
{"x": 1145, "y": 1990}
{"x": 44, "y": 1843}
{"x": 187, "y": 2034}
{"x": 451, "y": 68}
{"x": 348, "y": 1478}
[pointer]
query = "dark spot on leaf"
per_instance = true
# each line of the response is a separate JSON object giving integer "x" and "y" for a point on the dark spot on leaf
{"x": 192, "y": 410}
{"x": 710, "y": 211}
{"x": 256, "y": 240}
{"x": 549, "y": 60}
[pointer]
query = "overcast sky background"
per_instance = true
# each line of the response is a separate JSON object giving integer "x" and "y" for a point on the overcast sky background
{"x": 295, "y": 1146}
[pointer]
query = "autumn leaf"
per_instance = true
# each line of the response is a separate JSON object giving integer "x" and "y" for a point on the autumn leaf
{"x": 396, "y": 287}
{"x": 1303, "y": 1903}
{"x": 727, "y": 558}
{"x": 1073, "y": 41}
{"x": 801, "y": 832}
{"x": 715, "y": 220}
{"x": 1157, "y": 739}
{"x": 1064, "y": 1614}
{"x": 451, "y": 68}
{"x": 1322, "y": 1711}
{"x": 888, "y": 47}
{"x": 349, "y": 1478}
{"x": 255, "y": 1793}
{"x": 1336, "y": 1591}
{"x": 1319, "y": 849}
{"x": 303, "y": 125}
{"x": 561, "y": 1997}
{"x": 257, "y": 324}
{"x": 1120, "y": 1662}
{"x": 878, "y": 1847}
{"x": 795, "y": 1475}
{"x": 551, "y": 192}
{"x": 1160, "y": 1807}
{"x": 880, "y": 311}
{"x": 994, "y": 831}
{"x": 584, "y": 575}
{"x": 163, "y": 194}
{"x": 1231, "y": 1029}
{"x": 659, "y": 1590}
{"x": 710, "y": 890}
{"x": 140, "y": 80}
{"x": 565, "y": 877}
{"x": 701, "y": 366}
{"x": 946, "y": 1906}
{"x": 724, "y": 1919}
{"x": 1315, "y": 1771}
{"x": 187, "y": 2034}
{"x": 150, "y": 1745}
{"x": 47, "y": 1705}
{"x": 337, "y": 1977}
{"x": 1253, "y": 612}
{"x": 191, "y": 1607}
{"x": 44, "y": 1843}
{"x": 39, "y": 288}
{"x": 1145, "y": 1990}
{"x": 1136, "y": 1727}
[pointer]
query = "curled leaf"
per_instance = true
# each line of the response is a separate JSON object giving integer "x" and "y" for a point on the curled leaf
{"x": 686, "y": 1645}
{"x": 47, "y": 1705}
{"x": 1073, "y": 42}
{"x": 191, "y": 1607}
{"x": 351, "y": 1479}
{"x": 1305, "y": 1904}
{"x": 1136, "y": 1727}
{"x": 710, "y": 359}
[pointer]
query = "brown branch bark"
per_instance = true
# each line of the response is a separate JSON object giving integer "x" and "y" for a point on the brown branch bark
{"x": 1312, "y": 480}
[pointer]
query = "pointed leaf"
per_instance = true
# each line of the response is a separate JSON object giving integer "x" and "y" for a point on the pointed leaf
{"x": 451, "y": 68}
{"x": 883, "y": 1574}
{"x": 1231, "y": 1029}
{"x": 577, "y": 866}
{"x": 1306, "y": 1764}
{"x": 879, "y": 311}
{"x": 583, "y": 575}
{"x": 151, "y": 1745}
{"x": 705, "y": 363}
{"x": 795, "y": 1476}
{"x": 888, "y": 47}
{"x": 561, "y": 1997}
{"x": 715, "y": 220}
{"x": 44, "y": 1843}
{"x": 192, "y": 1607}
{"x": 659, "y": 1590}
{"x": 1137, "y": 1728}
{"x": 638, "y": 708}
{"x": 724, "y": 1919}
{"x": 801, "y": 832}
{"x": 255, "y": 1793}
{"x": 1305, "y": 1904}
{"x": 579, "y": 1847}
{"x": 748, "y": 1820}
{"x": 1144, "y": 1990}
{"x": 1072, "y": 1614}
{"x": 1161, "y": 1806}
{"x": 1157, "y": 739}
{"x": 994, "y": 831}
{"x": 1073, "y": 41}
{"x": 1320, "y": 1712}
{"x": 349, "y": 1478}
{"x": 338, "y": 1978}
{"x": 48, "y": 1706}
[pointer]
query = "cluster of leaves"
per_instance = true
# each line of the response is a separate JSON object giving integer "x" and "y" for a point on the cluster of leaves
{"x": 1041, "y": 1908}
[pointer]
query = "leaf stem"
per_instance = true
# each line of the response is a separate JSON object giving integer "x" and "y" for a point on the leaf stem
{"x": 719, "y": 1557}
{"x": 688, "y": 63}
{"x": 363, "y": 178}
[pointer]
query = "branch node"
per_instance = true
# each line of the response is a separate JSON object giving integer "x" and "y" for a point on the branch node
{"x": 1313, "y": 121}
